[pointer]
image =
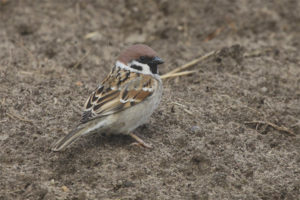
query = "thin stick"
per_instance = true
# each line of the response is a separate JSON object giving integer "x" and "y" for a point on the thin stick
{"x": 81, "y": 59}
{"x": 214, "y": 34}
{"x": 279, "y": 128}
{"x": 14, "y": 116}
{"x": 177, "y": 74}
{"x": 3, "y": 121}
{"x": 187, "y": 111}
{"x": 35, "y": 73}
{"x": 184, "y": 107}
{"x": 192, "y": 63}
{"x": 179, "y": 104}
{"x": 256, "y": 53}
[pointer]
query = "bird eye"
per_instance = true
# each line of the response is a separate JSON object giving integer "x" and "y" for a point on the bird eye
{"x": 145, "y": 59}
{"x": 142, "y": 58}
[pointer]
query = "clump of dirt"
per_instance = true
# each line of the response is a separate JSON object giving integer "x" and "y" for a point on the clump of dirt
{"x": 54, "y": 53}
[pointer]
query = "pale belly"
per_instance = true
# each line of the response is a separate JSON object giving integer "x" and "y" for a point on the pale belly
{"x": 128, "y": 120}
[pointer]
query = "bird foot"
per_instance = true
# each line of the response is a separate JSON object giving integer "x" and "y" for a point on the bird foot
{"x": 139, "y": 142}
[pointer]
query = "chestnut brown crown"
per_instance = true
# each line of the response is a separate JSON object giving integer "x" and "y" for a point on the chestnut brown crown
{"x": 135, "y": 52}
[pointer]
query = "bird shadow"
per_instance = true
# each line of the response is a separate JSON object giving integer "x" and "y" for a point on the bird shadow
{"x": 89, "y": 150}
{"x": 101, "y": 141}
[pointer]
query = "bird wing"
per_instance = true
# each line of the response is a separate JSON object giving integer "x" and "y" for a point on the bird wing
{"x": 120, "y": 90}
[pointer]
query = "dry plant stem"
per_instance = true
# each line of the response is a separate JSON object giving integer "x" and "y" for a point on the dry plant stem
{"x": 81, "y": 59}
{"x": 192, "y": 63}
{"x": 91, "y": 35}
{"x": 174, "y": 73}
{"x": 14, "y": 116}
{"x": 214, "y": 34}
{"x": 177, "y": 74}
{"x": 187, "y": 111}
{"x": 257, "y": 53}
{"x": 184, "y": 108}
{"x": 279, "y": 128}
{"x": 179, "y": 104}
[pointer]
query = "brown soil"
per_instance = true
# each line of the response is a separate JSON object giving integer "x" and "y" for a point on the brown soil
{"x": 54, "y": 53}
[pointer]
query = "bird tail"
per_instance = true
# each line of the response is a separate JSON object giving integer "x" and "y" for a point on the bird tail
{"x": 71, "y": 137}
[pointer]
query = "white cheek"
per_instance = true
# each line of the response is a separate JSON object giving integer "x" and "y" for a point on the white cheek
{"x": 145, "y": 68}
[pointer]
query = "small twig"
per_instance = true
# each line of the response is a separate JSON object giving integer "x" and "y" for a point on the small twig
{"x": 187, "y": 111}
{"x": 30, "y": 73}
{"x": 3, "y": 101}
{"x": 279, "y": 128}
{"x": 184, "y": 107}
{"x": 91, "y": 35}
{"x": 179, "y": 104}
{"x": 257, "y": 52}
{"x": 81, "y": 59}
{"x": 14, "y": 116}
{"x": 214, "y": 34}
{"x": 192, "y": 63}
{"x": 177, "y": 74}
{"x": 26, "y": 72}
{"x": 54, "y": 100}
{"x": 5, "y": 120}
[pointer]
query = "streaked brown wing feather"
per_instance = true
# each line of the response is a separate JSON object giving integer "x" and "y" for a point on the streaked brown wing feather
{"x": 120, "y": 90}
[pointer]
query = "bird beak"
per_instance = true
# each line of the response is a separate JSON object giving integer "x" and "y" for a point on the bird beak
{"x": 157, "y": 60}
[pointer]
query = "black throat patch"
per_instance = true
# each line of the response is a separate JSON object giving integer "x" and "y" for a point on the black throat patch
{"x": 153, "y": 68}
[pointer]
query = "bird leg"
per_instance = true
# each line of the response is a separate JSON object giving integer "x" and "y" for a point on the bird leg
{"x": 140, "y": 142}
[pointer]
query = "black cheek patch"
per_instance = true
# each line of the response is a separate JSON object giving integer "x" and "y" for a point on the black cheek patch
{"x": 136, "y": 67}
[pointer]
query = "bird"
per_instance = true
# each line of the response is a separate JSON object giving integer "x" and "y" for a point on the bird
{"x": 124, "y": 100}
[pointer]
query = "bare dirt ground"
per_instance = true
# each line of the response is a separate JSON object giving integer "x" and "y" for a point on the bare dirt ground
{"x": 54, "y": 53}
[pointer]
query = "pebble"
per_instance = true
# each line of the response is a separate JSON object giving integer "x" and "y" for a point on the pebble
{"x": 195, "y": 129}
{"x": 264, "y": 89}
{"x": 65, "y": 188}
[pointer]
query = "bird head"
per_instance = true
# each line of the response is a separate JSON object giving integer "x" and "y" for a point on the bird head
{"x": 141, "y": 58}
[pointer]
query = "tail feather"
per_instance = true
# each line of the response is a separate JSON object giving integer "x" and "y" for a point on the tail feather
{"x": 65, "y": 141}
{"x": 71, "y": 137}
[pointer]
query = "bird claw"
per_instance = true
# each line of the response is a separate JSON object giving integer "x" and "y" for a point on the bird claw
{"x": 140, "y": 142}
{"x": 144, "y": 145}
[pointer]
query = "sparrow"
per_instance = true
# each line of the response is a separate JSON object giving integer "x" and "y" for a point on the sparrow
{"x": 124, "y": 100}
